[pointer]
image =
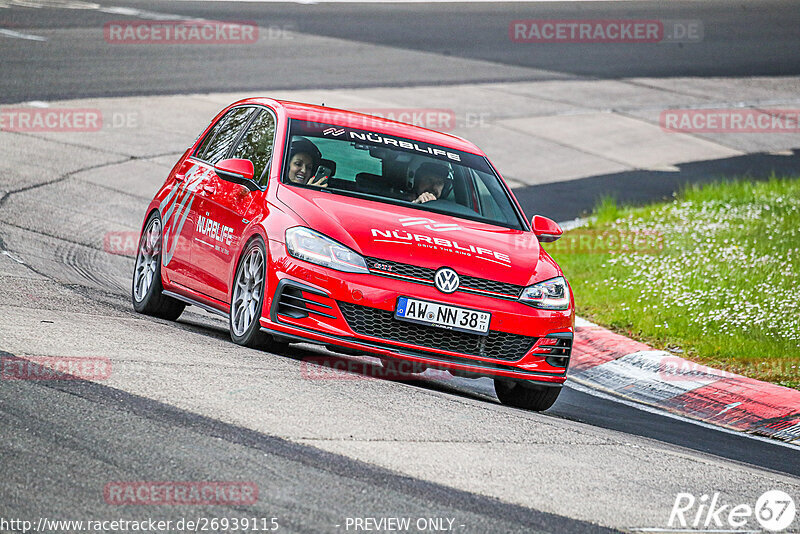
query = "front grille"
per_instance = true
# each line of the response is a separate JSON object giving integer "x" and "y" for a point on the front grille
{"x": 403, "y": 269}
{"x": 427, "y": 274}
{"x": 382, "y": 324}
{"x": 491, "y": 285}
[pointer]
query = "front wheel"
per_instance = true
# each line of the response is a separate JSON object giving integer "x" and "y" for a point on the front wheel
{"x": 249, "y": 288}
{"x": 146, "y": 290}
{"x": 535, "y": 398}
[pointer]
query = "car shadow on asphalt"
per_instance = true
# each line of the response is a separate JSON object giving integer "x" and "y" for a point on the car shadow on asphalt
{"x": 319, "y": 363}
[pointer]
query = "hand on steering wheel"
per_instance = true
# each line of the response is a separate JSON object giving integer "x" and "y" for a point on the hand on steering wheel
{"x": 424, "y": 197}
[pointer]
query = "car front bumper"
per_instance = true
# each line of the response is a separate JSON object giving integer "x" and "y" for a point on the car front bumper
{"x": 306, "y": 302}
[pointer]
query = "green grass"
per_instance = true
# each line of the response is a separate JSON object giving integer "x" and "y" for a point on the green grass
{"x": 715, "y": 278}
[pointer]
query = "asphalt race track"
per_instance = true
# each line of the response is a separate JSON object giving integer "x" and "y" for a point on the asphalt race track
{"x": 184, "y": 403}
{"x": 420, "y": 45}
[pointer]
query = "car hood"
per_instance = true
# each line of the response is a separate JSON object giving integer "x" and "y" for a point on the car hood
{"x": 423, "y": 238}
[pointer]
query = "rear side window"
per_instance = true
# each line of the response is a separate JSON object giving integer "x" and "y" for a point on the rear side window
{"x": 218, "y": 143}
{"x": 256, "y": 145}
{"x": 210, "y": 135}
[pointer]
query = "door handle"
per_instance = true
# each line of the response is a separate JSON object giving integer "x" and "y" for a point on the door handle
{"x": 210, "y": 189}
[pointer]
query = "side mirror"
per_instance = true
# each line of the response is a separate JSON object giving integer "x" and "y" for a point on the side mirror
{"x": 239, "y": 171}
{"x": 547, "y": 230}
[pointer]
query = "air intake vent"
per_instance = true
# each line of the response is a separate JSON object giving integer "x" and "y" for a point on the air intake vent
{"x": 295, "y": 301}
{"x": 558, "y": 347}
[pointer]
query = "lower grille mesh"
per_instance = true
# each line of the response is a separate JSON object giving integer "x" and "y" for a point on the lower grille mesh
{"x": 382, "y": 324}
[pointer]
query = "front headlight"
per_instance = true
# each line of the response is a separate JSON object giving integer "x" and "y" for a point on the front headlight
{"x": 551, "y": 294}
{"x": 311, "y": 246}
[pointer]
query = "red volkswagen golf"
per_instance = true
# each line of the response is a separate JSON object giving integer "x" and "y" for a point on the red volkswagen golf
{"x": 302, "y": 223}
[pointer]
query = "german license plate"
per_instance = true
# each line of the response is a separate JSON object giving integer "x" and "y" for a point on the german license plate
{"x": 442, "y": 316}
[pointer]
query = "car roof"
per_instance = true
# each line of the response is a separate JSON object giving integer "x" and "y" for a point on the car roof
{"x": 352, "y": 119}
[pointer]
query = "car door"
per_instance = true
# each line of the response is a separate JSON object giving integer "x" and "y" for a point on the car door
{"x": 231, "y": 208}
{"x": 204, "y": 183}
{"x": 179, "y": 215}
{"x": 179, "y": 211}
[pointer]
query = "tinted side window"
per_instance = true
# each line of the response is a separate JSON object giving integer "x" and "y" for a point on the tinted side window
{"x": 488, "y": 206}
{"x": 256, "y": 145}
{"x": 488, "y": 195}
{"x": 222, "y": 141}
{"x": 210, "y": 135}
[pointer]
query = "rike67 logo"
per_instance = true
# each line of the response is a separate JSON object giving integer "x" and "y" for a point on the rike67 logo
{"x": 773, "y": 511}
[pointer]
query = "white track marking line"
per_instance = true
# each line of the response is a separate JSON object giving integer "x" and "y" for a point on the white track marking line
{"x": 146, "y": 15}
{"x": 19, "y": 35}
{"x": 13, "y": 257}
{"x": 583, "y": 388}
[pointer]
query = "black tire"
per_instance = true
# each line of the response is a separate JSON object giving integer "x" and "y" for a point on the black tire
{"x": 528, "y": 397}
{"x": 147, "y": 291}
{"x": 247, "y": 331}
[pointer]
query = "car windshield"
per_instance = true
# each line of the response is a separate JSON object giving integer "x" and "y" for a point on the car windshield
{"x": 396, "y": 170}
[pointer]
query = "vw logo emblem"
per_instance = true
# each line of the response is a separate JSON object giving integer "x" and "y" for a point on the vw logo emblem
{"x": 446, "y": 280}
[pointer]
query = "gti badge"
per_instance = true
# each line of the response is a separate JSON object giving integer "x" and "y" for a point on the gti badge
{"x": 333, "y": 131}
{"x": 446, "y": 280}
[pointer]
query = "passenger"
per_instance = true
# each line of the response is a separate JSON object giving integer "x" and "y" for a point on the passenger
{"x": 429, "y": 183}
{"x": 304, "y": 158}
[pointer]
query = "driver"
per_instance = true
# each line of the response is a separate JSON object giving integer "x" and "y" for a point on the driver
{"x": 304, "y": 158}
{"x": 429, "y": 182}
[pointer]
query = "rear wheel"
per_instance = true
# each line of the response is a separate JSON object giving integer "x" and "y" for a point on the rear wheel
{"x": 146, "y": 290}
{"x": 528, "y": 397}
{"x": 249, "y": 288}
